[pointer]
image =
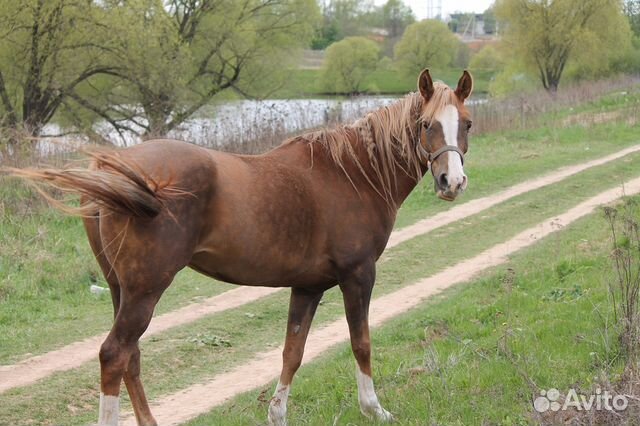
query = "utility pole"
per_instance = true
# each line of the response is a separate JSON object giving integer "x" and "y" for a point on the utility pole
{"x": 434, "y": 9}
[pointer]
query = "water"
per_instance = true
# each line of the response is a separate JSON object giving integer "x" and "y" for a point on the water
{"x": 238, "y": 123}
{"x": 216, "y": 125}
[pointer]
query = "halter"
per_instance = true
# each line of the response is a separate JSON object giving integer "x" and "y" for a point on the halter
{"x": 433, "y": 156}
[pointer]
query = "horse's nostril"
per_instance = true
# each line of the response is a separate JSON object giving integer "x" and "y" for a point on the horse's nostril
{"x": 442, "y": 180}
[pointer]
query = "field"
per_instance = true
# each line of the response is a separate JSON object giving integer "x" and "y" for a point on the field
{"x": 308, "y": 83}
{"x": 478, "y": 353}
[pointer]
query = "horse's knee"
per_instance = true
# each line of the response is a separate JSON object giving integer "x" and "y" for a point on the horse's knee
{"x": 115, "y": 359}
{"x": 109, "y": 352}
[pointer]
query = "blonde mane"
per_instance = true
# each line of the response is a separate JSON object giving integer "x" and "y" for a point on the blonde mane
{"x": 390, "y": 136}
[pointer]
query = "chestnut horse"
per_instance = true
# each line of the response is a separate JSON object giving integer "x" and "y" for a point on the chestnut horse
{"x": 313, "y": 213}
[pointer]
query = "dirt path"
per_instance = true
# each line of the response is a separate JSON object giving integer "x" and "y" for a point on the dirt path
{"x": 264, "y": 367}
{"x": 74, "y": 355}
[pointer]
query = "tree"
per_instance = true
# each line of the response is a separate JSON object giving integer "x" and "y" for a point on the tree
{"x": 396, "y": 17}
{"x": 427, "y": 43}
{"x": 632, "y": 10}
{"x": 347, "y": 63}
{"x": 545, "y": 34}
{"x": 143, "y": 66}
{"x": 489, "y": 19}
{"x": 343, "y": 18}
{"x": 48, "y": 49}
{"x": 191, "y": 50}
{"x": 488, "y": 60}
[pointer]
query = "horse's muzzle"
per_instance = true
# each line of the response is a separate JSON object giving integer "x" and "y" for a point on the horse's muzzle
{"x": 449, "y": 193}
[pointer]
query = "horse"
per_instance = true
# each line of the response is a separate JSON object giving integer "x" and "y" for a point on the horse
{"x": 312, "y": 213}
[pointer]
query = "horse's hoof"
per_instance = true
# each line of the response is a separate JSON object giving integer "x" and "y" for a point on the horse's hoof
{"x": 276, "y": 418}
{"x": 378, "y": 413}
{"x": 385, "y": 416}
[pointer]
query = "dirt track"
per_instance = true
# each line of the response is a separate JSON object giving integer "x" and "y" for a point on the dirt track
{"x": 264, "y": 367}
{"x": 74, "y": 355}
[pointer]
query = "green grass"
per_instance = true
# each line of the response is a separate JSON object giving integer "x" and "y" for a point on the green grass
{"x": 467, "y": 356}
{"x": 498, "y": 161}
{"x": 172, "y": 360}
{"x": 46, "y": 265}
{"x": 306, "y": 83}
{"x": 46, "y": 269}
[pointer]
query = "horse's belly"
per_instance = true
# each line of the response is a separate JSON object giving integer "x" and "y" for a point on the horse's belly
{"x": 276, "y": 272}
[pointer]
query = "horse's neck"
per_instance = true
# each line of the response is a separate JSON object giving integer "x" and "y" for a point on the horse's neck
{"x": 405, "y": 184}
{"x": 402, "y": 183}
{"x": 402, "y": 180}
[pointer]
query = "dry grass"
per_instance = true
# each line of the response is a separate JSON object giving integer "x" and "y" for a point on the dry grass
{"x": 261, "y": 132}
{"x": 530, "y": 110}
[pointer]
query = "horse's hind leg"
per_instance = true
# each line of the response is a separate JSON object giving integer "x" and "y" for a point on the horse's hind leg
{"x": 145, "y": 256}
{"x": 302, "y": 307}
{"x": 109, "y": 405}
{"x": 120, "y": 359}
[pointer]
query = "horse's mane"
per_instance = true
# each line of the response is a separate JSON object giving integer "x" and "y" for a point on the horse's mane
{"x": 390, "y": 137}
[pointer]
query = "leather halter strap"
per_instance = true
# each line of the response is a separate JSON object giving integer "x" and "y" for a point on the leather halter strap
{"x": 433, "y": 156}
{"x": 438, "y": 153}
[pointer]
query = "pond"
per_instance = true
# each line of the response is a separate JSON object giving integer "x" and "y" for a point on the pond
{"x": 244, "y": 125}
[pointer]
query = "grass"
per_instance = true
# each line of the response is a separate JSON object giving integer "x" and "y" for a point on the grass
{"x": 185, "y": 355}
{"x": 46, "y": 266}
{"x": 307, "y": 83}
{"x": 472, "y": 355}
{"x": 46, "y": 269}
{"x": 497, "y": 161}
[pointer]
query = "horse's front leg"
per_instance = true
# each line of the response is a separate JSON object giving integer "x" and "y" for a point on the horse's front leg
{"x": 356, "y": 288}
{"x": 302, "y": 307}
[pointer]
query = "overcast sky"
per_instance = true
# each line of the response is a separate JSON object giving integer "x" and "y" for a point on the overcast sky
{"x": 448, "y": 6}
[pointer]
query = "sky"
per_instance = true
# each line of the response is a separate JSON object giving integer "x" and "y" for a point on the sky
{"x": 448, "y": 6}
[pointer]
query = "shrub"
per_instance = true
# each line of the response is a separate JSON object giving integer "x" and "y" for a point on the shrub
{"x": 347, "y": 64}
{"x": 425, "y": 44}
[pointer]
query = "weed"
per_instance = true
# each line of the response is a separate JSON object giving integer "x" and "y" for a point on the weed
{"x": 209, "y": 340}
{"x": 624, "y": 289}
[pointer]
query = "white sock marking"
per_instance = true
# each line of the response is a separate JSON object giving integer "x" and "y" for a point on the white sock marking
{"x": 278, "y": 405}
{"x": 109, "y": 410}
{"x": 369, "y": 404}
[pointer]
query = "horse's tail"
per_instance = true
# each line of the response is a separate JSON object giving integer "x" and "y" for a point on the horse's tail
{"x": 109, "y": 182}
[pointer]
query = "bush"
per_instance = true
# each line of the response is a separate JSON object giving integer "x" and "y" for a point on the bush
{"x": 347, "y": 63}
{"x": 425, "y": 44}
{"x": 488, "y": 59}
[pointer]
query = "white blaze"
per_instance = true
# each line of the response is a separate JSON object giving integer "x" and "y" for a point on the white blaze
{"x": 278, "y": 405}
{"x": 448, "y": 119}
{"x": 109, "y": 410}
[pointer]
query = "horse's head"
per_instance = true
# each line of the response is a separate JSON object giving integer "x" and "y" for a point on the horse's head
{"x": 444, "y": 126}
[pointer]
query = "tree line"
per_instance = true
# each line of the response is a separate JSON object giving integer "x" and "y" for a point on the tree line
{"x": 147, "y": 66}
{"x": 144, "y": 66}
{"x": 540, "y": 40}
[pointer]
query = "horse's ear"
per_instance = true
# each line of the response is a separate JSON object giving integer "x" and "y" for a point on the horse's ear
{"x": 465, "y": 86}
{"x": 425, "y": 84}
